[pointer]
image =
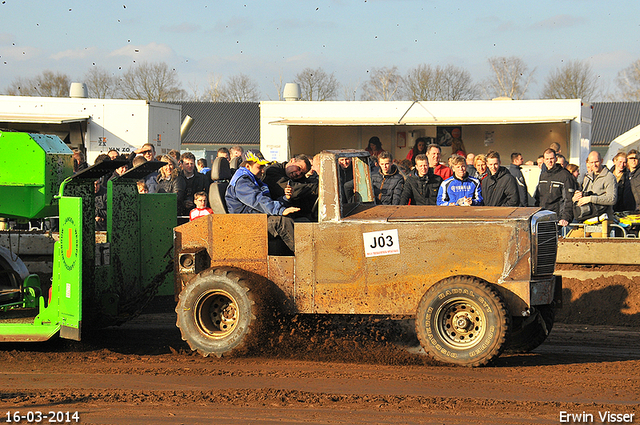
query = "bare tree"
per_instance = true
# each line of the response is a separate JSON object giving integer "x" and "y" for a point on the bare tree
{"x": 214, "y": 92}
{"x": 279, "y": 85}
{"x": 240, "y": 88}
{"x": 153, "y": 82}
{"x": 422, "y": 83}
{"x": 194, "y": 91}
{"x": 440, "y": 83}
{"x": 383, "y": 84}
{"x": 350, "y": 90}
{"x": 47, "y": 84}
{"x": 574, "y": 80}
{"x": 101, "y": 84}
{"x": 510, "y": 78}
{"x": 628, "y": 82}
{"x": 315, "y": 84}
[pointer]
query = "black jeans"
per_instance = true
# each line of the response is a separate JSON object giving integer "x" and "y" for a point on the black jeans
{"x": 281, "y": 226}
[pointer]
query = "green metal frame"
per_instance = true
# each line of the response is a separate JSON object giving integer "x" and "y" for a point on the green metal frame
{"x": 89, "y": 289}
{"x": 63, "y": 310}
{"x": 28, "y": 186}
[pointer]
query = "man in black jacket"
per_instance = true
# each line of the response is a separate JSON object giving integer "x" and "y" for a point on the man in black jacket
{"x": 499, "y": 188}
{"x": 633, "y": 184}
{"x": 304, "y": 191}
{"x": 620, "y": 171}
{"x": 421, "y": 189}
{"x": 555, "y": 189}
{"x": 516, "y": 171}
{"x": 387, "y": 181}
{"x": 195, "y": 182}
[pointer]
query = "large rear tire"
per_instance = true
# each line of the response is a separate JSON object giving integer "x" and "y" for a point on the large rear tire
{"x": 12, "y": 273}
{"x": 463, "y": 321}
{"x": 218, "y": 313}
{"x": 528, "y": 333}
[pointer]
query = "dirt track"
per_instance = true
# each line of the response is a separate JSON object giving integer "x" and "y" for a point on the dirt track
{"x": 320, "y": 370}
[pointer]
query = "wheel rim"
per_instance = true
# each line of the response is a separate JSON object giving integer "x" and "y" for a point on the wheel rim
{"x": 216, "y": 313}
{"x": 461, "y": 323}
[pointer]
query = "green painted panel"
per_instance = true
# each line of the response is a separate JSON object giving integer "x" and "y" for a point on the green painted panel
{"x": 158, "y": 218}
{"x": 64, "y": 312}
{"x": 67, "y": 289}
{"x": 32, "y": 194}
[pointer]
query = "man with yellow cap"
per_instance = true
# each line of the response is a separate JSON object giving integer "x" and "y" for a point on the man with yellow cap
{"x": 247, "y": 194}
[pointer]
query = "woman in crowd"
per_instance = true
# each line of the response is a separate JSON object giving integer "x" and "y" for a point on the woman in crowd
{"x": 375, "y": 147}
{"x": 419, "y": 148}
{"x": 480, "y": 164}
{"x": 171, "y": 181}
{"x": 457, "y": 145}
{"x": 575, "y": 172}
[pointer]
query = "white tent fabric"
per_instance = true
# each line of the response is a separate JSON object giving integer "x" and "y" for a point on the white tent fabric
{"x": 624, "y": 142}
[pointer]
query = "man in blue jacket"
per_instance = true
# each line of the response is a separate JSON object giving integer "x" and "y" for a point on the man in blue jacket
{"x": 247, "y": 194}
{"x": 460, "y": 189}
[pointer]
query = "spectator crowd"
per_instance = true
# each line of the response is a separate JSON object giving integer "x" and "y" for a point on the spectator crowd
{"x": 247, "y": 183}
{"x": 181, "y": 174}
{"x": 470, "y": 179}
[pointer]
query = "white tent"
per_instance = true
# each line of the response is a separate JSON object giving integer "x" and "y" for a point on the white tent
{"x": 624, "y": 142}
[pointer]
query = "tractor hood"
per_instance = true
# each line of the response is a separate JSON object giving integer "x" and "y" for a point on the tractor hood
{"x": 400, "y": 213}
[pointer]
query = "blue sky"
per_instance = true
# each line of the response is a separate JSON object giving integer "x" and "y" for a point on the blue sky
{"x": 267, "y": 40}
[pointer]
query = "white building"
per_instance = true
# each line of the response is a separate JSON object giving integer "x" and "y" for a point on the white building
{"x": 506, "y": 126}
{"x": 95, "y": 125}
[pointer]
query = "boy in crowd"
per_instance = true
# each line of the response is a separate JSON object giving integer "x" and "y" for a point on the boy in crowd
{"x": 499, "y": 188}
{"x": 195, "y": 182}
{"x": 201, "y": 209}
{"x": 201, "y": 165}
{"x": 460, "y": 189}
{"x": 142, "y": 186}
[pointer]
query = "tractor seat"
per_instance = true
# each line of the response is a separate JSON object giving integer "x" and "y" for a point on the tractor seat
{"x": 220, "y": 176}
{"x": 235, "y": 163}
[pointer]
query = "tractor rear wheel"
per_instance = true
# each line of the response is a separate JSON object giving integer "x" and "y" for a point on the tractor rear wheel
{"x": 218, "y": 313}
{"x": 462, "y": 320}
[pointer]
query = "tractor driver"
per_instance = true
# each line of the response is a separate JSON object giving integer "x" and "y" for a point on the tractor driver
{"x": 247, "y": 194}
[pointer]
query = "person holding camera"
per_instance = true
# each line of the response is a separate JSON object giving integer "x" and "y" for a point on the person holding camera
{"x": 599, "y": 189}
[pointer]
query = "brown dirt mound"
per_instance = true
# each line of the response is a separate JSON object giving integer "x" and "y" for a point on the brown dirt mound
{"x": 612, "y": 300}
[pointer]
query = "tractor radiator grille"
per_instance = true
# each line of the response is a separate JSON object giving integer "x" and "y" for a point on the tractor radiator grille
{"x": 545, "y": 247}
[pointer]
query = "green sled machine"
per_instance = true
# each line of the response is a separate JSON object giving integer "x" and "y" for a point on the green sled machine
{"x": 99, "y": 278}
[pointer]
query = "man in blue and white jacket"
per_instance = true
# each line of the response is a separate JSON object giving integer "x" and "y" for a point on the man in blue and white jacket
{"x": 247, "y": 194}
{"x": 460, "y": 189}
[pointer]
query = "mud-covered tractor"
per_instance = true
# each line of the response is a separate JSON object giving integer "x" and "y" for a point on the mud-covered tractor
{"x": 478, "y": 280}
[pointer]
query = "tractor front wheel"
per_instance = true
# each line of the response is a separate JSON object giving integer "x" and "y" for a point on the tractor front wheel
{"x": 463, "y": 321}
